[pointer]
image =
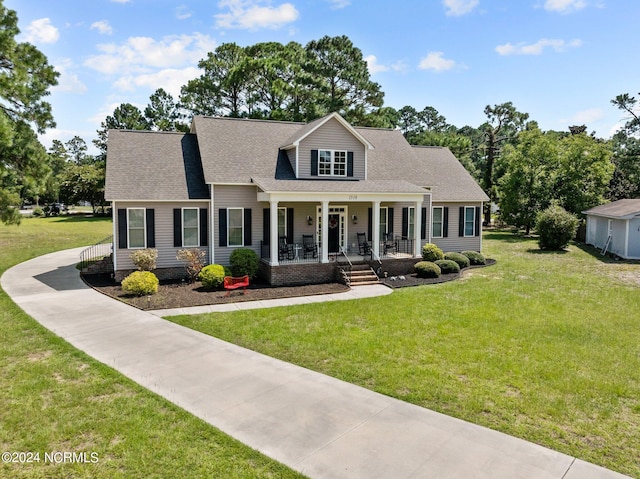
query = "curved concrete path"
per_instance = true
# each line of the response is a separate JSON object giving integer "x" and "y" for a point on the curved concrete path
{"x": 318, "y": 425}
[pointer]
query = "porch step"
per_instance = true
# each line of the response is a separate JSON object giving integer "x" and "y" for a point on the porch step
{"x": 363, "y": 274}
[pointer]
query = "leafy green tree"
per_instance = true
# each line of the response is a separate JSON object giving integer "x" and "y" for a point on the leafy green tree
{"x": 25, "y": 78}
{"x": 584, "y": 172}
{"x": 345, "y": 82}
{"x": 625, "y": 182}
{"x": 163, "y": 113}
{"x": 83, "y": 183}
{"x": 504, "y": 123}
{"x": 125, "y": 117}
{"x": 526, "y": 188}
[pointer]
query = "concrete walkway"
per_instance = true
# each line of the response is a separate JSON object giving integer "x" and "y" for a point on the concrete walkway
{"x": 320, "y": 426}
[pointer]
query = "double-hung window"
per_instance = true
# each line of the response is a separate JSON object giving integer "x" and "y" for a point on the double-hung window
{"x": 469, "y": 221}
{"x": 235, "y": 226}
{"x": 332, "y": 163}
{"x": 411, "y": 232}
{"x": 190, "y": 227}
{"x": 384, "y": 223}
{"x": 136, "y": 228}
{"x": 282, "y": 222}
{"x": 437, "y": 222}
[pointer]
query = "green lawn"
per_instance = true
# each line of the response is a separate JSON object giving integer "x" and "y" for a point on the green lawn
{"x": 54, "y": 398}
{"x": 543, "y": 346}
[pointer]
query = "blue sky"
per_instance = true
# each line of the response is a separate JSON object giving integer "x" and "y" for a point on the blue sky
{"x": 561, "y": 61}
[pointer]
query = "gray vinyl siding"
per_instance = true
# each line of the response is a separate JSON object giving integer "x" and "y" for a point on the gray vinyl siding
{"x": 331, "y": 136}
{"x": 163, "y": 214}
{"x": 634, "y": 239}
{"x": 454, "y": 242}
{"x": 598, "y": 229}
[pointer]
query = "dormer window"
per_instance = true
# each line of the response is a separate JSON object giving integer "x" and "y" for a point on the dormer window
{"x": 332, "y": 163}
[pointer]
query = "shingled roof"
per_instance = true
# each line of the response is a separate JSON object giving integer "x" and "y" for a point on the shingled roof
{"x": 623, "y": 209}
{"x": 145, "y": 165}
{"x": 173, "y": 166}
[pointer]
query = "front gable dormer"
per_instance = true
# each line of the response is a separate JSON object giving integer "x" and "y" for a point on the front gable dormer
{"x": 329, "y": 148}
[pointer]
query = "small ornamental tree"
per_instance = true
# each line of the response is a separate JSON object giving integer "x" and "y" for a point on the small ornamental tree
{"x": 194, "y": 261}
{"x": 145, "y": 259}
{"x": 556, "y": 227}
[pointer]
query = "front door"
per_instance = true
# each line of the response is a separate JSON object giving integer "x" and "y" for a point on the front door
{"x": 334, "y": 233}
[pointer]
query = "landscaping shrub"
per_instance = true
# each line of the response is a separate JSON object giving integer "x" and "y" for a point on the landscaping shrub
{"x": 427, "y": 269}
{"x": 140, "y": 283}
{"x": 459, "y": 258}
{"x": 244, "y": 261}
{"x": 212, "y": 276}
{"x": 475, "y": 257}
{"x": 194, "y": 261}
{"x": 431, "y": 252}
{"x": 556, "y": 227}
{"x": 448, "y": 266}
{"x": 145, "y": 259}
{"x": 37, "y": 212}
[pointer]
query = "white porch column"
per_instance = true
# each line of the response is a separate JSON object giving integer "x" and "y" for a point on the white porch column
{"x": 273, "y": 232}
{"x": 417, "y": 233}
{"x": 375, "y": 230}
{"x": 325, "y": 232}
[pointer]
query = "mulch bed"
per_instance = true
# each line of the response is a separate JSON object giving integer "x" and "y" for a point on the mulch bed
{"x": 183, "y": 294}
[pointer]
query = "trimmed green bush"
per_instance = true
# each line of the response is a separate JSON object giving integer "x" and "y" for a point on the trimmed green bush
{"x": 37, "y": 212}
{"x": 244, "y": 261}
{"x": 140, "y": 283}
{"x": 448, "y": 266}
{"x": 475, "y": 258}
{"x": 427, "y": 269}
{"x": 462, "y": 260}
{"x": 145, "y": 259}
{"x": 556, "y": 227}
{"x": 431, "y": 252}
{"x": 212, "y": 276}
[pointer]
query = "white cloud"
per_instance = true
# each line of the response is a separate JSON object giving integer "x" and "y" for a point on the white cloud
{"x": 455, "y": 8}
{"x": 373, "y": 65}
{"x": 41, "y": 31}
{"x": 255, "y": 14}
{"x": 143, "y": 55}
{"x": 435, "y": 61}
{"x": 183, "y": 12}
{"x": 68, "y": 81}
{"x": 587, "y": 116}
{"x": 537, "y": 48}
{"x": 564, "y": 6}
{"x": 338, "y": 4}
{"x": 171, "y": 79}
{"x": 103, "y": 27}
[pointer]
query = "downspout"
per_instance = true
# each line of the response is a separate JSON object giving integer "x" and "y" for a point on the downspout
{"x": 212, "y": 243}
{"x": 114, "y": 217}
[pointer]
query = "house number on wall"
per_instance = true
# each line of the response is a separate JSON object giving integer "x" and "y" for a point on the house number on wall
{"x": 353, "y": 197}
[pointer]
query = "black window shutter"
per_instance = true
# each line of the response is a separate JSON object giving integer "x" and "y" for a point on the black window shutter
{"x": 477, "y": 225}
{"x": 204, "y": 227}
{"x": 445, "y": 222}
{"x": 151, "y": 228}
{"x": 289, "y": 225}
{"x": 122, "y": 228}
{"x": 405, "y": 222}
{"x": 461, "y": 222}
{"x": 423, "y": 226}
{"x": 177, "y": 227}
{"x": 390, "y": 220}
{"x": 266, "y": 221}
{"x": 222, "y": 227}
{"x": 247, "y": 226}
{"x": 370, "y": 224}
{"x": 350, "y": 163}
{"x": 314, "y": 162}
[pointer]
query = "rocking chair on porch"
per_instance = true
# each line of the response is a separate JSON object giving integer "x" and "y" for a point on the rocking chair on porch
{"x": 309, "y": 247}
{"x": 364, "y": 247}
{"x": 285, "y": 250}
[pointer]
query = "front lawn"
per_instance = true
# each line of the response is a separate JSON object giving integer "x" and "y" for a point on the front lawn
{"x": 542, "y": 346}
{"x": 55, "y": 399}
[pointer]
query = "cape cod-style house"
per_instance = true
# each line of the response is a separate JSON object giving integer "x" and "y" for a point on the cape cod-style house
{"x": 299, "y": 195}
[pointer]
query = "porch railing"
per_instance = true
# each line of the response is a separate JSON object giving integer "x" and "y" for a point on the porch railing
{"x": 98, "y": 258}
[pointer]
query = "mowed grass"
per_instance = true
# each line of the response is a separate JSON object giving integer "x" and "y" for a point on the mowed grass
{"x": 54, "y": 398}
{"x": 542, "y": 346}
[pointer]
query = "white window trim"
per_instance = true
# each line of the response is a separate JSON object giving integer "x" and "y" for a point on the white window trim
{"x": 433, "y": 222}
{"x": 197, "y": 245}
{"x": 229, "y": 245}
{"x": 411, "y": 223}
{"x": 386, "y": 223}
{"x": 144, "y": 228}
{"x": 283, "y": 208}
{"x": 333, "y": 162}
{"x": 473, "y": 229}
